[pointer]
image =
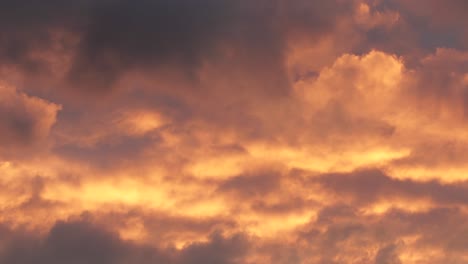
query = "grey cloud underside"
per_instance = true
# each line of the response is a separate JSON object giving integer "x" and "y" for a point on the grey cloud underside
{"x": 320, "y": 241}
{"x": 373, "y": 185}
{"x": 116, "y": 36}
{"x": 80, "y": 242}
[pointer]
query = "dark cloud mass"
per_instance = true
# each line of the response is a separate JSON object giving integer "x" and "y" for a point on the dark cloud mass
{"x": 118, "y": 36}
{"x": 26, "y": 121}
{"x": 81, "y": 242}
{"x": 369, "y": 186}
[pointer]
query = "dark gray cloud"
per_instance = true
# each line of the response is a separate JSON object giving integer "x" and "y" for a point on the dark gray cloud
{"x": 387, "y": 255}
{"x": 251, "y": 185}
{"x": 368, "y": 186}
{"x": 348, "y": 237}
{"x": 218, "y": 250}
{"x": 428, "y": 25}
{"x": 25, "y": 121}
{"x": 80, "y": 242}
{"x": 110, "y": 38}
{"x": 421, "y": 28}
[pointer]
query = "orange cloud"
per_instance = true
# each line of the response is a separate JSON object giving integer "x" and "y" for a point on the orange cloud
{"x": 224, "y": 131}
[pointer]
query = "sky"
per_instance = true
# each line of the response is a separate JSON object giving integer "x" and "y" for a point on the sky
{"x": 233, "y": 132}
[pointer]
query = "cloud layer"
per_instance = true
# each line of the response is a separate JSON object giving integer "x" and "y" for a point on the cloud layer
{"x": 222, "y": 131}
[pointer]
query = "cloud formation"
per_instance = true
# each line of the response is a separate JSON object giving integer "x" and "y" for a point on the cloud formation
{"x": 82, "y": 242}
{"x": 219, "y": 131}
{"x": 25, "y": 120}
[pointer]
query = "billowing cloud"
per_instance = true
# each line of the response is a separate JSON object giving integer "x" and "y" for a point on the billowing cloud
{"x": 222, "y": 131}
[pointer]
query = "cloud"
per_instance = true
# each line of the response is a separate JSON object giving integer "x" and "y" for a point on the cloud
{"x": 82, "y": 242}
{"x": 397, "y": 236}
{"x": 102, "y": 42}
{"x": 223, "y": 131}
{"x": 25, "y": 120}
{"x": 252, "y": 185}
{"x": 441, "y": 80}
{"x": 387, "y": 255}
{"x": 370, "y": 186}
